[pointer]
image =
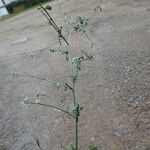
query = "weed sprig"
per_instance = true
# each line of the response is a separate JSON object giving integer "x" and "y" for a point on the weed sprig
{"x": 79, "y": 26}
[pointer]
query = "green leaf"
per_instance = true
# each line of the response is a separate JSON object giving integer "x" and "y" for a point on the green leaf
{"x": 26, "y": 102}
{"x": 73, "y": 147}
{"x": 93, "y": 147}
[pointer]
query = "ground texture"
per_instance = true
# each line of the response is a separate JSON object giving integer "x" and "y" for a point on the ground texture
{"x": 114, "y": 89}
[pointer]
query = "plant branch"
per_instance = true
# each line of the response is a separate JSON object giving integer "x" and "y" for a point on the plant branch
{"x": 48, "y": 105}
{"x": 35, "y": 77}
{"x": 52, "y": 22}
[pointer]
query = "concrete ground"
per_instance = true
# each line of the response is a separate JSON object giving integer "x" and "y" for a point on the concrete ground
{"x": 114, "y": 88}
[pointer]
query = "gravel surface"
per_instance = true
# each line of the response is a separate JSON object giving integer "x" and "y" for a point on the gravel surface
{"x": 114, "y": 88}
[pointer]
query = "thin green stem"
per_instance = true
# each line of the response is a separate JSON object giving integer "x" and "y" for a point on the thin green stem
{"x": 77, "y": 127}
{"x": 59, "y": 31}
{"x": 35, "y": 77}
{"x": 50, "y": 19}
{"x": 73, "y": 92}
{"x": 64, "y": 39}
{"x": 77, "y": 138}
{"x": 48, "y": 105}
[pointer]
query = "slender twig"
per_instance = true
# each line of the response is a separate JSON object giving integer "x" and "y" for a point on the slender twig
{"x": 73, "y": 92}
{"x": 38, "y": 143}
{"x": 35, "y": 77}
{"x": 77, "y": 126}
{"x": 50, "y": 18}
{"x": 52, "y": 106}
{"x": 52, "y": 22}
{"x": 77, "y": 138}
{"x": 64, "y": 19}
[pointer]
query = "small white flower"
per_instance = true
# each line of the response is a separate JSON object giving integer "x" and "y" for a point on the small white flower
{"x": 25, "y": 102}
{"x": 57, "y": 85}
{"x": 26, "y": 99}
{"x": 74, "y": 60}
{"x": 37, "y": 100}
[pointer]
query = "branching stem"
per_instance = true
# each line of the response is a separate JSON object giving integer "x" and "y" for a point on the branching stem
{"x": 73, "y": 73}
{"x": 48, "y": 105}
{"x": 52, "y": 22}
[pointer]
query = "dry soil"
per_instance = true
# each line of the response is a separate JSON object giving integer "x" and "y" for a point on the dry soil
{"x": 114, "y": 88}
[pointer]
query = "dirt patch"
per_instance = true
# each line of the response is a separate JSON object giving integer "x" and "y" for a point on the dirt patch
{"x": 113, "y": 89}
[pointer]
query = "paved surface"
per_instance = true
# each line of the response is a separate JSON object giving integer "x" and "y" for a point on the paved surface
{"x": 114, "y": 88}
